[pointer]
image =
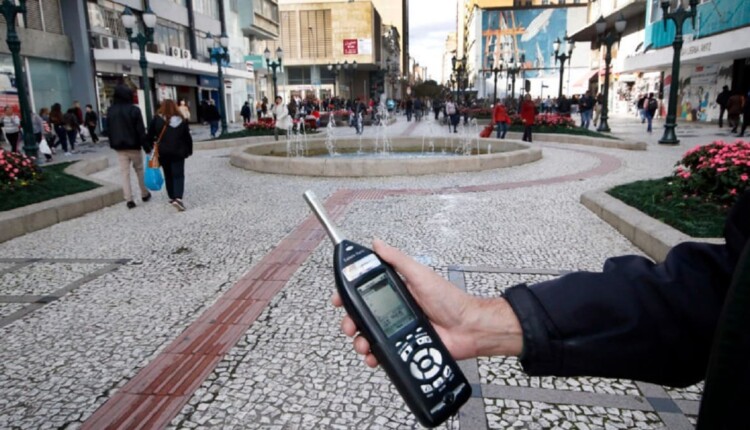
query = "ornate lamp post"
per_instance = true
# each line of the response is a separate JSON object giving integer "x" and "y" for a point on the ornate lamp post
{"x": 220, "y": 53}
{"x": 331, "y": 68}
{"x": 353, "y": 67}
{"x": 459, "y": 66}
{"x": 679, "y": 16}
{"x": 495, "y": 70}
{"x": 608, "y": 40}
{"x": 562, "y": 58}
{"x": 273, "y": 65}
{"x": 141, "y": 39}
{"x": 10, "y": 9}
{"x": 513, "y": 70}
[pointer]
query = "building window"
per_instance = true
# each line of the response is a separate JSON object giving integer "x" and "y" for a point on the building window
{"x": 207, "y": 7}
{"x": 106, "y": 19}
{"x": 289, "y": 34}
{"x": 315, "y": 33}
{"x": 298, "y": 75}
{"x": 168, "y": 34}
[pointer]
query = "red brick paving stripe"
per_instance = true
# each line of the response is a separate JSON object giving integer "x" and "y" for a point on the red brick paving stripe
{"x": 159, "y": 391}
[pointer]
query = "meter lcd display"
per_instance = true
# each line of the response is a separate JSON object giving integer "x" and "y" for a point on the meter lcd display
{"x": 386, "y": 305}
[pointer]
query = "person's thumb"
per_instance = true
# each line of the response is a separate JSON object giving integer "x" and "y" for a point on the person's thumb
{"x": 405, "y": 265}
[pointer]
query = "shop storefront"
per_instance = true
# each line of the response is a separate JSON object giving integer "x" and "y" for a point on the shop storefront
{"x": 105, "y": 85}
{"x": 178, "y": 87}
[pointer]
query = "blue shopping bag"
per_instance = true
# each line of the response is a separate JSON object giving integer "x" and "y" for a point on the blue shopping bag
{"x": 152, "y": 176}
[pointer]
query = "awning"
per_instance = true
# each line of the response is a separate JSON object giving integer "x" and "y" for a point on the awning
{"x": 582, "y": 84}
{"x": 632, "y": 10}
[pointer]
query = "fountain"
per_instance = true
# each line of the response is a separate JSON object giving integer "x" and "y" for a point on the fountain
{"x": 377, "y": 153}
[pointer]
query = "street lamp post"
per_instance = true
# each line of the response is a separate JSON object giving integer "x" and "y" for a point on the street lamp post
{"x": 562, "y": 58}
{"x": 331, "y": 67}
{"x": 142, "y": 39}
{"x": 608, "y": 40}
{"x": 513, "y": 70}
{"x": 220, "y": 53}
{"x": 273, "y": 65}
{"x": 459, "y": 66}
{"x": 495, "y": 70}
{"x": 10, "y": 9}
{"x": 679, "y": 16}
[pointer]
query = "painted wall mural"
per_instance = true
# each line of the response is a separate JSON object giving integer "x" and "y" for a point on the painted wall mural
{"x": 510, "y": 34}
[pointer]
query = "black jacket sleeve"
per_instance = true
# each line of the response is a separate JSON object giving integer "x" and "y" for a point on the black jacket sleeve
{"x": 635, "y": 319}
{"x": 138, "y": 129}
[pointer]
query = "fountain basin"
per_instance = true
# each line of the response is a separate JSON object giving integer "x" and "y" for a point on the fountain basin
{"x": 271, "y": 157}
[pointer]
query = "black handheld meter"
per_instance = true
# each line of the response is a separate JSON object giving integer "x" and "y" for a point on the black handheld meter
{"x": 400, "y": 335}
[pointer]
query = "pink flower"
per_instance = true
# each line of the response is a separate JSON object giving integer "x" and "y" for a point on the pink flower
{"x": 733, "y": 191}
{"x": 721, "y": 169}
{"x": 743, "y": 177}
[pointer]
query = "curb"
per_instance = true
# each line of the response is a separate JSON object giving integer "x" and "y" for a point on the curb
{"x": 27, "y": 219}
{"x": 653, "y": 237}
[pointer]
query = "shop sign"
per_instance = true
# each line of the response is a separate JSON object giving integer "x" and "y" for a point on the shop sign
{"x": 208, "y": 81}
{"x": 705, "y": 75}
{"x": 350, "y": 47}
{"x": 365, "y": 46}
{"x": 175, "y": 79}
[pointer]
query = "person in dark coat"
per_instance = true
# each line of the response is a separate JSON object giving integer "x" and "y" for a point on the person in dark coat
{"x": 91, "y": 119}
{"x": 72, "y": 127}
{"x": 652, "y": 105}
{"x": 653, "y": 322}
{"x": 127, "y": 136}
{"x": 745, "y": 114}
{"x": 211, "y": 114}
{"x": 563, "y": 106}
{"x": 171, "y": 131}
{"x": 722, "y": 99}
{"x": 245, "y": 113}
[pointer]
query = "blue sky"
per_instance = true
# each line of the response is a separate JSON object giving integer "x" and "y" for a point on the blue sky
{"x": 430, "y": 21}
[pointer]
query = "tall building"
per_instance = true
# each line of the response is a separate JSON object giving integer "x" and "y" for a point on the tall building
{"x": 179, "y": 64}
{"x": 715, "y": 53}
{"x": 259, "y": 20}
{"x": 347, "y": 36}
{"x": 448, "y": 52}
{"x": 55, "y": 65}
{"x": 396, "y": 13}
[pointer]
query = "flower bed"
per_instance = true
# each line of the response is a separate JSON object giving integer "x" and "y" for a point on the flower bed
{"x": 716, "y": 172}
{"x": 549, "y": 121}
{"x": 17, "y": 171}
{"x": 53, "y": 183}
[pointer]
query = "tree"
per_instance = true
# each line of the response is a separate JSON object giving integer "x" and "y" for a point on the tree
{"x": 428, "y": 89}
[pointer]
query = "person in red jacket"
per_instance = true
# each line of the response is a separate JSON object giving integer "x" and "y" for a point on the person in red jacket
{"x": 501, "y": 118}
{"x": 528, "y": 111}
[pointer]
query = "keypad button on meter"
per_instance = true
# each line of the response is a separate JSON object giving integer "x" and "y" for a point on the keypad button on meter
{"x": 415, "y": 372}
{"x": 426, "y": 388}
{"x": 424, "y": 340}
{"x": 436, "y": 356}
{"x": 425, "y": 364}
{"x": 447, "y": 372}
{"x": 438, "y": 382}
{"x": 419, "y": 329}
{"x": 422, "y": 353}
{"x": 406, "y": 352}
{"x": 432, "y": 372}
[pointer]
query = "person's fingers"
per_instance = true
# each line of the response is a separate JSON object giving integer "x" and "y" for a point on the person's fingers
{"x": 403, "y": 264}
{"x": 361, "y": 345}
{"x": 371, "y": 361}
{"x": 336, "y": 299}
{"x": 348, "y": 326}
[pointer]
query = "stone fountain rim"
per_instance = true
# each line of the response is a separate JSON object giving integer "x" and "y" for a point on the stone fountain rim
{"x": 378, "y": 167}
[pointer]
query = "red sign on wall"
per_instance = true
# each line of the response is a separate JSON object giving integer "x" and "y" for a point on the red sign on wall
{"x": 350, "y": 47}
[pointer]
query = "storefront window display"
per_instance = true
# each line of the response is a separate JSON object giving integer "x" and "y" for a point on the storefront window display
{"x": 50, "y": 83}
{"x": 8, "y": 92}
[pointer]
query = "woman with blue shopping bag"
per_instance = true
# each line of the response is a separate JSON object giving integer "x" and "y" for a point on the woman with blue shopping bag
{"x": 173, "y": 143}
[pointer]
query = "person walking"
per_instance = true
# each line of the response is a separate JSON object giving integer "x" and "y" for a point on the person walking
{"x": 563, "y": 106}
{"x": 745, "y": 115}
{"x": 91, "y": 120}
{"x": 528, "y": 112}
{"x": 184, "y": 110}
{"x": 49, "y": 133}
{"x": 437, "y": 107}
{"x": 127, "y": 136}
{"x": 281, "y": 116}
{"x": 79, "y": 118}
{"x": 586, "y": 107}
{"x": 72, "y": 128}
{"x": 170, "y": 130}
{"x": 651, "y": 106}
{"x": 245, "y": 113}
{"x": 37, "y": 125}
{"x": 501, "y": 118}
{"x": 11, "y": 125}
{"x": 409, "y": 106}
{"x": 722, "y": 99}
{"x": 598, "y": 108}
{"x": 734, "y": 109}
{"x": 212, "y": 115}
{"x": 641, "y": 106}
{"x": 451, "y": 111}
{"x": 56, "y": 118}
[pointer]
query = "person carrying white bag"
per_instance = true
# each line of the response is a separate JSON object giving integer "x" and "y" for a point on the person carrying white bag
{"x": 37, "y": 124}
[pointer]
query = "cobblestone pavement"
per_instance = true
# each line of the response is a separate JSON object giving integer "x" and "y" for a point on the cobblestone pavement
{"x": 111, "y": 294}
